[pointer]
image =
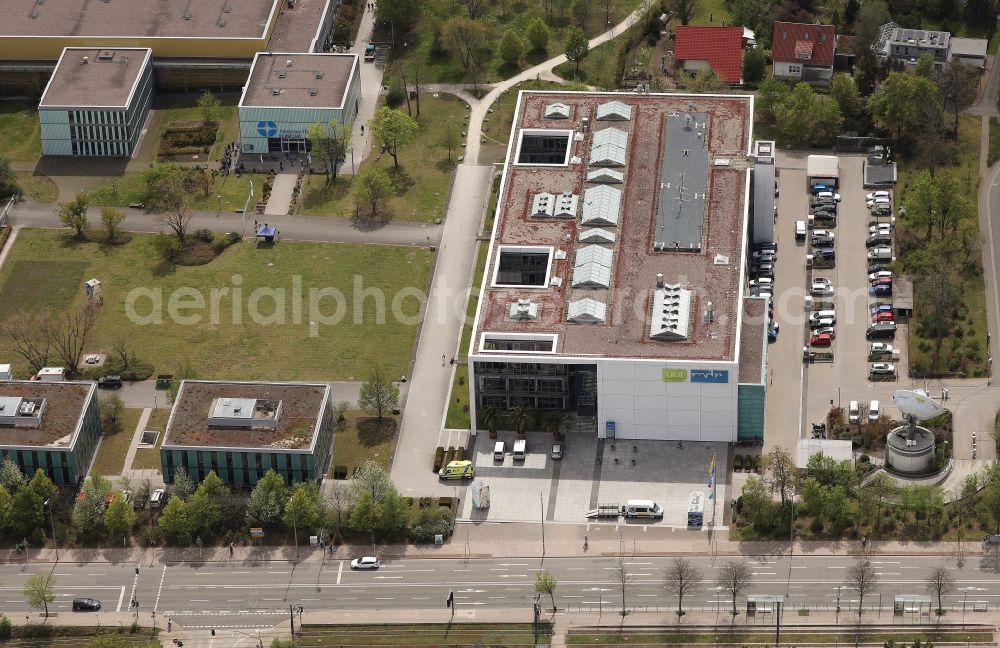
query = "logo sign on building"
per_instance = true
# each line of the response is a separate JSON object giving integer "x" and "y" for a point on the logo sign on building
{"x": 267, "y": 128}
{"x": 256, "y": 532}
{"x": 675, "y": 375}
{"x": 709, "y": 376}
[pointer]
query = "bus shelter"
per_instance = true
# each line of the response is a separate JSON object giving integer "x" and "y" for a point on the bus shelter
{"x": 764, "y": 604}
{"x": 911, "y": 606}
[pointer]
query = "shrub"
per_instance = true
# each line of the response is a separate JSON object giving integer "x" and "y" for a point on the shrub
{"x": 220, "y": 242}
{"x": 234, "y": 237}
{"x": 396, "y": 96}
{"x": 816, "y": 526}
{"x": 167, "y": 246}
{"x": 204, "y": 235}
{"x": 5, "y": 628}
{"x": 429, "y": 522}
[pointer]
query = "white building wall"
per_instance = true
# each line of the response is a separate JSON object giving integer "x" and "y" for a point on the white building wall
{"x": 694, "y": 66}
{"x": 783, "y": 70}
{"x": 634, "y": 395}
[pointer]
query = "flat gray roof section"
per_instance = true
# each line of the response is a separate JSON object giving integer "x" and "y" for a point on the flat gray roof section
{"x": 302, "y": 80}
{"x": 138, "y": 18}
{"x": 106, "y": 80}
{"x": 880, "y": 175}
{"x": 763, "y": 203}
{"x": 680, "y": 213}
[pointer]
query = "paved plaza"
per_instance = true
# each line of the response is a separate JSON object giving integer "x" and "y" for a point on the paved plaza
{"x": 564, "y": 490}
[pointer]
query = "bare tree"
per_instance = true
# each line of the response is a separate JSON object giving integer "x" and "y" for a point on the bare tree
{"x": 862, "y": 579}
{"x": 67, "y": 333}
{"x": 416, "y": 71}
{"x": 341, "y": 500}
{"x": 939, "y": 583}
{"x": 734, "y": 576}
{"x": 29, "y": 341}
{"x": 623, "y": 579}
{"x": 682, "y": 578}
{"x": 780, "y": 472}
{"x": 123, "y": 349}
{"x": 401, "y": 71}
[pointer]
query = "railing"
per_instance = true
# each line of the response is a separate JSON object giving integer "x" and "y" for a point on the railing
{"x": 5, "y": 212}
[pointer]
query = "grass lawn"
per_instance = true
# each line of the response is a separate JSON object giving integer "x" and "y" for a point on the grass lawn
{"x": 360, "y": 438}
{"x": 421, "y": 182}
{"x": 19, "y": 131}
{"x": 427, "y": 635}
{"x": 791, "y": 638}
{"x": 184, "y": 109}
{"x": 128, "y": 188}
{"x": 38, "y": 187}
{"x": 459, "y": 417}
{"x": 514, "y": 15}
{"x": 994, "y": 153}
{"x": 249, "y": 337}
{"x": 111, "y": 453}
{"x": 149, "y": 458}
{"x": 965, "y": 349}
{"x": 496, "y": 131}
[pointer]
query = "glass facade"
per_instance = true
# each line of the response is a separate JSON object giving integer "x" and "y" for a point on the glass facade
{"x": 541, "y": 386}
{"x": 750, "y": 412}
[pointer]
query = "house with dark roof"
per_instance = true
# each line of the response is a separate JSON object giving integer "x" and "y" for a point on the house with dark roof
{"x": 719, "y": 49}
{"x": 803, "y": 52}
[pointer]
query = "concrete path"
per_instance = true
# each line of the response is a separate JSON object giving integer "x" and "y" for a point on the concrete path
{"x": 281, "y": 194}
{"x": 292, "y": 228}
{"x": 440, "y": 332}
{"x": 986, "y": 104}
{"x": 371, "y": 87}
{"x": 136, "y": 439}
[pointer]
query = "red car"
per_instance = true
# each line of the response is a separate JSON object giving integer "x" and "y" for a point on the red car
{"x": 882, "y": 317}
{"x": 821, "y": 340}
{"x": 882, "y": 281}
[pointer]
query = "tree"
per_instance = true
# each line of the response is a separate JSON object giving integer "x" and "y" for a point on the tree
{"x": 11, "y": 477}
{"x": 73, "y": 214}
{"x": 845, "y": 92}
{"x": 119, "y": 640}
{"x": 545, "y": 583}
{"x": 795, "y": 115}
{"x": 183, "y": 486}
{"x": 27, "y": 338}
{"x": 267, "y": 500}
{"x": 378, "y": 395}
{"x": 538, "y": 34}
{"x": 754, "y": 64}
{"x": 111, "y": 218}
{"x": 979, "y": 13}
{"x": 111, "y": 407}
{"x": 780, "y": 473}
{"x": 39, "y": 591}
{"x": 581, "y": 12}
{"x": 520, "y": 417}
{"x": 622, "y": 579}
{"x": 705, "y": 81}
{"x": 862, "y": 579}
{"x": 683, "y": 10}
{"x": 940, "y": 582}
{"x": 204, "y": 506}
{"x": 175, "y": 522}
{"x": 42, "y": 486}
{"x": 895, "y": 104}
{"x": 510, "y": 47}
{"x": 168, "y": 194}
{"x": 8, "y": 179}
{"x": 576, "y": 47}
{"x": 68, "y": 330}
{"x": 400, "y": 14}
{"x": 770, "y": 95}
{"x": 465, "y": 38}
{"x": 331, "y": 142}
{"x": 394, "y": 129}
{"x": 373, "y": 479}
{"x": 385, "y": 518}
{"x": 682, "y": 578}
{"x": 451, "y": 137}
{"x": 372, "y": 187}
{"x": 874, "y": 497}
{"x": 757, "y": 508}
{"x": 6, "y": 509}
{"x": 89, "y": 508}
{"x": 304, "y": 507}
{"x": 734, "y": 576}
{"x": 209, "y": 105}
{"x": 476, "y": 8}
{"x": 119, "y": 516}
{"x": 27, "y": 514}
{"x": 925, "y": 66}
{"x": 959, "y": 85}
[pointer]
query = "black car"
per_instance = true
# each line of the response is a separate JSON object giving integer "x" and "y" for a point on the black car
{"x": 86, "y": 605}
{"x": 139, "y": 502}
{"x": 757, "y": 247}
{"x": 109, "y": 382}
{"x": 878, "y": 239}
{"x": 884, "y": 331}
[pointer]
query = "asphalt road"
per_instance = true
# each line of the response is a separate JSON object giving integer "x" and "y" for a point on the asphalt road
{"x": 236, "y": 595}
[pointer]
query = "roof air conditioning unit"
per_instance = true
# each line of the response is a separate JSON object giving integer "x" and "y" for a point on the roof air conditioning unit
{"x": 288, "y": 62}
{"x": 313, "y": 92}
{"x": 276, "y": 92}
{"x": 319, "y": 75}
{"x": 222, "y": 23}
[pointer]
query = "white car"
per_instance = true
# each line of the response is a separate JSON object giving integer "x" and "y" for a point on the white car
{"x": 877, "y": 194}
{"x": 824, "y": 237}
{"x": 882, "y": 200}
{"x": 880, "y": 228}
{"x": 821, "y": 287}
{"x": 883, "y": 369}
{"x": 365, "y": 562}
{"x": 881, "y": 252}
{"x": 762, "y": 281}
{"x": 880, "y": 347}
{"x": 829, "y": 194}
{"x": 881, "y": 274}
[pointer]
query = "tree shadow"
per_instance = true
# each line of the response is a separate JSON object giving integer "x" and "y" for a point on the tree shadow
{"x": 535, "y": 56}
{"x": 446, "y": 165}
{"x": 507, "y": 70}
{"x": 372, "y": 432}
{"x": 163, "y": 268}
{"x": 366, "y": 222}
{"x": 401, "y": 180}
{"x": 327, "y": 194}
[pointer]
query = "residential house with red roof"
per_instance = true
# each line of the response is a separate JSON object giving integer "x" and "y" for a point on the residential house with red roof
{"x": 719, "y": 49}
{"x": 803, "y": 52}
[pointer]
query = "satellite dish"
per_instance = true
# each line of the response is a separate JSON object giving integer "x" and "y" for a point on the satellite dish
{"x": 916, "y": 404}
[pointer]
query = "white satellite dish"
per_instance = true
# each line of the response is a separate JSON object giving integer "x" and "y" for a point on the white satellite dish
{"x": 916, "y": 404}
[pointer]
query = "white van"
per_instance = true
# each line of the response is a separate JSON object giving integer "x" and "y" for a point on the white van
{"x": 498, "y": 451}
{"x": 853, "y": 413}
{"x": 643, "y": 509}
{"x": 800, "y": 230}
{"x": 520, "y": 449}
{"x": 873, "y": 410}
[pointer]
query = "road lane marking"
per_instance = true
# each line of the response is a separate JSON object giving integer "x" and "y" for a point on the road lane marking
{"x": 281, "y": 572}
{"x": 383, "y": 598}
{"x": 121, "y": 597}
{"x": 340, "y": 571}
{"x": 199, "y": 600}
{"x": 420, "y": 598}
{"x": 163, "y": 577}
{"x": 96, "y": 574}
{"x": 239, "y": 572}
{"x": 271, "y": 599}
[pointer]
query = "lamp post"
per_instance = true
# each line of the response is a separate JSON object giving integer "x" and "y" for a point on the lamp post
{"x": 55, "y": 543}
{"x": 220, "y": 202}
{"x": 541, "y": 504}
{"x": 838, "y": 397}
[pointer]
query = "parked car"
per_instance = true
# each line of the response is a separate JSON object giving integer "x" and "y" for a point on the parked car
{"x": 765, "y": 256}
{"x": 883, "y": 369}
{"x": 109, "y": 382}
{"x": 763, "y": 281}
{"x": 139, "y": 502}
{"x": 880, "y": 228}
{"x": 878, "y": 194}
{"x": 875, "y": 240}
{"x": 365, "y": 562}
{"x": 86, "y": 605}
{"x": 822, "y": 237}
{"x": 765, "y": 246}
{"x": 825, "y": 253}
{"x": 822, "y": 323}
{"x": 882, "y": 281}
{"x": 828, "y": 194}
{"x": 885, "y": 331}
{"x": 881, "y": 210}
{"x": 156, "y": 498}
{"x": 800, "y": 230}
{"x": 879, "y": 200}
{"x": 882, "y": 252}
{"x": 821, "y": 340}
{"x": 764, "y": 269}
{"x": 557, "y": 451}
{"x": 826, "y": 330}
{"x": 880, "y": 347}
{"x": 883, "y": 316}
{"x": 879, "y": 274}
{"x": 826, "y": 218}
{"x": 821, "y": 287}
{"x": 882, "y": 290}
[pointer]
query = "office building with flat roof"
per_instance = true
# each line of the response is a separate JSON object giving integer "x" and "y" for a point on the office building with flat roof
{"x": 96, "y": 102}
{"x": 51, "y": 426}
{"x": 243, "y": 429}
{"x": 614, "y": 287}
{"x": 287, "y": 93}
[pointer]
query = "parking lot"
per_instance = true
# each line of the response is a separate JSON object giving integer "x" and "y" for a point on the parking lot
{"x": 565, "y": 489}
{"x": 808, "y": 389}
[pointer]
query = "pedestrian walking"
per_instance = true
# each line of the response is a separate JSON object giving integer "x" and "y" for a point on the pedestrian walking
{"x": 170, "y": 624}
{"x": 230, "y": 549}
{"x": 362, "y": 129}
{"x": 585, "y": 545}
{"x": 442, "y": 359}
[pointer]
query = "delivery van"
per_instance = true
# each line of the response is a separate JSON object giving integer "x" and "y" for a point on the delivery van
{"x": 498, "y": 451}
{"x": 457, "y": 470}
{"x": 520, "y": 449}
{"x": 643, "y": 509}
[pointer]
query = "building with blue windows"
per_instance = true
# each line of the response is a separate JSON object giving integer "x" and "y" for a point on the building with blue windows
{"x": 243, "y": 429}
{"x": 96, "y": 102}
{"x": 52, "y": 426}
{"x": 287, "y": 93}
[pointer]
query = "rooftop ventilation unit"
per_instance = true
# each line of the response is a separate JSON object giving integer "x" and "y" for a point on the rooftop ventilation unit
{"x": 586, "y": 311}
{"x": 313, "y": 92}
{"x": 228, "y": 8}
{"x": 288, "y": 62}
{"x": 721, "y": 259}
{"x": 671, "y": 313}
{"x": 85, "y": 60}
{"x": 282, "y": 74}
{"x": 275, "y": 92}
{"x": 319, "y": 75}
{"x": 524, "y": 309}
{"x": 222, "y": 23}
{"x": 106, "y": 55}
{"x": 557, "y": 111}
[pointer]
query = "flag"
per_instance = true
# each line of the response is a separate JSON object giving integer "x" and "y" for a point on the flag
{"x": 711, "y": 478}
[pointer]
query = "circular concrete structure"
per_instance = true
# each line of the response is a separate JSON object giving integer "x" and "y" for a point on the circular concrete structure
{"x": 910, "y": 451}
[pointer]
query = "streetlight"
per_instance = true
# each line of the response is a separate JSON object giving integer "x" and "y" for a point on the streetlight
{"x": 55, "y": 543}
{"x": 838, "y": 397}
{"x": 541, "y": 504}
